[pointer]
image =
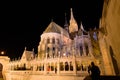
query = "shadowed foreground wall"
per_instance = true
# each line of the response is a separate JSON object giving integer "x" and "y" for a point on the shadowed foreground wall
{"x": 110, "y": 32}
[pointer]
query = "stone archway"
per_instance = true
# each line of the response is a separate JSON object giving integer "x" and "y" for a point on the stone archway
{"x": 114, "y": 61}
{"x": 4, "y": 60}
{"x": 1, "y": 67}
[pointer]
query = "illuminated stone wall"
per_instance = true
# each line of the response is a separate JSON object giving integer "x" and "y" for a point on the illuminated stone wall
{"x": 110, "y": 34}
{"x": 4, "y": 60}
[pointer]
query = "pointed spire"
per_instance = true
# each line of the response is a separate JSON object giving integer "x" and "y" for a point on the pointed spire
{"x": 81, "y": 27}
{"x": 72, "y": 17}
{"x": 73, "y": 27}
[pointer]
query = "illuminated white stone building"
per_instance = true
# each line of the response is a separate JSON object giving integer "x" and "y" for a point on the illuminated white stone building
{"x": 63, "y": 54}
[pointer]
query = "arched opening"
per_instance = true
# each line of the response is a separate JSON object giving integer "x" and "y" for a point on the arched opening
{"x": 1, "y": 67}
{"x": 114, "y": 61}
{"x": 66, "y": 66}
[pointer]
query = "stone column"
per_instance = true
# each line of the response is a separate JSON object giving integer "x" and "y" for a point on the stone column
{"x": 46, "y": 55}
{"x": 45, "y": 66}
{"x": 74, "y": 65}
{"x": 58, "y": 66}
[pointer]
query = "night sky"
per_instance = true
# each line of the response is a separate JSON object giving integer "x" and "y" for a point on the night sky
{"x": 22, "y": 22}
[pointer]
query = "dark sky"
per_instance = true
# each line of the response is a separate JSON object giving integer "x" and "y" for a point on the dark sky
{"x": 22, "y": 22}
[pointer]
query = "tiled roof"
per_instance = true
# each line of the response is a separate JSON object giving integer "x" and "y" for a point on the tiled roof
{"x": 53, "y": 27}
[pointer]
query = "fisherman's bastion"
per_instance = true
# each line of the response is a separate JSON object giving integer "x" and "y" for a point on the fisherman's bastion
{"x": 64, "y": 53}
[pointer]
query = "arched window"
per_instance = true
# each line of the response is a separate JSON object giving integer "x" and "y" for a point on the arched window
{"x": 53, "y": 51}
{"x": 53, "y": 40}
{"x": 40, "y": 67}
{"x": 48, "y": 40}
{"x": 52, "y": 67}
{"x": 53, "y": 48}
{"x": 66, "y": 66}
{"x": 81, "y": 50}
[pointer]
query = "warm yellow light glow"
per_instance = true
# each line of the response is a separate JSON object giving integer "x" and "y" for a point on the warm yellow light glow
{"x": 2, "y": 52}
{"x": 64, "y": 54}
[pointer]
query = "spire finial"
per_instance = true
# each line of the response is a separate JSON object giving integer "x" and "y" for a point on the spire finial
{"x": 81, "y": 26}
{"x": 71, "y": 13}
